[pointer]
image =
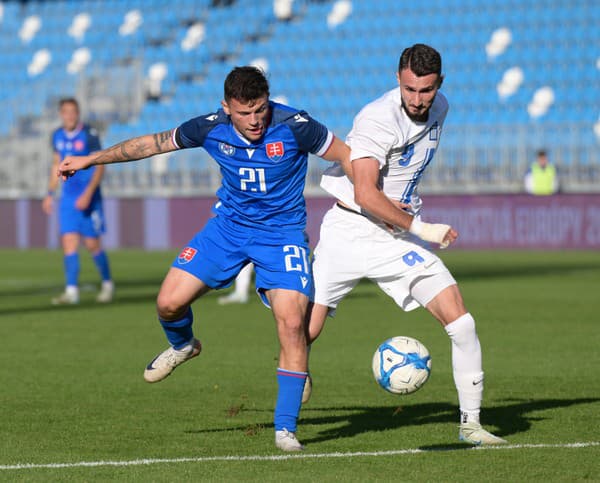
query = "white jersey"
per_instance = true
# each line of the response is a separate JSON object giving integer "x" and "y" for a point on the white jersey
{"x": 403, "y": 147}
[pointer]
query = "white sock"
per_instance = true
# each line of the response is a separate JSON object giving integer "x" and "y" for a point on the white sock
{"x": 242, "y": 281}
{"x": 108, "y": 285}
{"x": 467, "y": 367}
{"x": 72, "y": 290}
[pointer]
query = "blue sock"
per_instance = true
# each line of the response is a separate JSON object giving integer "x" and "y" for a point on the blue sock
{"x": 289, "y": 399}
{"x": 72, "y": 268}
{"x": 101, "y": 261}
{"x": 179, "y": 332}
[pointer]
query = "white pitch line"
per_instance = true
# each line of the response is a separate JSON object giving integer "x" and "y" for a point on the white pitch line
{"x": 283, "y": 457}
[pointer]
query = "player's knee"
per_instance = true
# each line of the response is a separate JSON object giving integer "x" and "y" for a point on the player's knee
{"x": 448, "y": 305}
{"x": 93, "y": 248}
{"x": 463, "y": 333}
{"x": 291, "y": 324}
{"x": 453, "y": 313}
{"x": 70, "y": 244}
{"x": 168, "y": 307}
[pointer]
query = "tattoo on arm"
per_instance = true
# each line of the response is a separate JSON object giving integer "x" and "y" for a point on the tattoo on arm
{"x": 123, "y": 151}
{"x": 136, "y": 148}
{"x": 156, "y": 143}
{"x": 161, "y": 138}
{"x": 114, "y": 154}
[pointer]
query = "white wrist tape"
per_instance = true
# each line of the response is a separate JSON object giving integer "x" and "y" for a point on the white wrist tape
{"x": 431, "y": 232}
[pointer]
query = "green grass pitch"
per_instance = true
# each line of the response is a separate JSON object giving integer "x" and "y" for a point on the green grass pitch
{"x": 72, "y": 390}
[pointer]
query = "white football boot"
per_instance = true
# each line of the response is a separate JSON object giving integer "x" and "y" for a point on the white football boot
{"x": 166, "y": 362}
{"x": 287, "y": 441}
{"x": 66, "y": 298}
{"x": 473, "y": 433}
{"x": 307, "y": 391}
{"x": 233, "y": 298}
{"x": 106, "y": 294}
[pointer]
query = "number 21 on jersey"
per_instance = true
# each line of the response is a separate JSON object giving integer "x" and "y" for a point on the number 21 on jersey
{"x": 253, "y": 179}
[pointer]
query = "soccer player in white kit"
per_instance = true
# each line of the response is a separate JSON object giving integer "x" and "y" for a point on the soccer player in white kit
{"x": 374, "y": 230}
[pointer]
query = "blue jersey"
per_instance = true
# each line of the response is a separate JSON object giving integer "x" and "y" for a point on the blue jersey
{"x": 262, "y": 182}
{"x": 80, "y": 142}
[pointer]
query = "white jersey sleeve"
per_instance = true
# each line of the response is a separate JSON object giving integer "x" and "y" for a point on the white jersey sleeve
{"x": 372, "y": 135}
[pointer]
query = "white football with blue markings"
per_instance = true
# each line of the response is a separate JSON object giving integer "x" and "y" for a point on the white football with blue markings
{"x": 401, "y": 365}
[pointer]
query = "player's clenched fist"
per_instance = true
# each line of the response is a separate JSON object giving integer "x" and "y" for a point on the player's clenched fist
{"x": 450, "y": 237}
{"x": 434, "y": 232}
{"x": 71, "y": 164}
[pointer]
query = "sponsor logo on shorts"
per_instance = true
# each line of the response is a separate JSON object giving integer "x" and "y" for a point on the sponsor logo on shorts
{"x": 227, "y": 149}
{"x": 304, "y": 281}
{"x": 275, "y": 150}
{"x": 186, "y": 255}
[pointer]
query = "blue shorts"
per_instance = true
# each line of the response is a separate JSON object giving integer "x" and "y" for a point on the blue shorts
{"x": 89, "y": 223}
{"x": 217, "y": 254}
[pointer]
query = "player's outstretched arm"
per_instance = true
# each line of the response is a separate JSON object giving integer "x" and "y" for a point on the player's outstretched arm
{"x": 370, "y": 198}
{"x": 130, "y": 150}
{"x": 339, "y": 152}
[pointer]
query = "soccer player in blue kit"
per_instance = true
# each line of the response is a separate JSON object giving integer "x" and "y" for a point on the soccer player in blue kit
{"x": 262, "y": 150}
{"x": 80, "y": 207}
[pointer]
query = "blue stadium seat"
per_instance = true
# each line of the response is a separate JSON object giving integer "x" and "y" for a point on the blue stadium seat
{"x": 331, "y": 72}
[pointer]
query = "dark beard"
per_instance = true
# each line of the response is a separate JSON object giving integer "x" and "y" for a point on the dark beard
{"x": 422, "y": 118}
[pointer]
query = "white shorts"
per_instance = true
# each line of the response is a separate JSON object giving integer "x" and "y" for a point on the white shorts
{"x": 353, "y": 247}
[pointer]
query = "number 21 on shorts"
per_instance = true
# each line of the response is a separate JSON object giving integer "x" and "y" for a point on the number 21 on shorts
{"x": 296, "y": 259}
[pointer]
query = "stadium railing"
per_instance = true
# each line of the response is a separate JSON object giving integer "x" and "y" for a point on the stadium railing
{"x": 463, "y": 164}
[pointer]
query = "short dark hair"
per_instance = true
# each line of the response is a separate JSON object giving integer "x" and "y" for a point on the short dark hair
{"x": 68, "y": 100}
{"x": 541, "y": 152}
{"x": 246, "y": 84}
{"x": 421, "y": 59}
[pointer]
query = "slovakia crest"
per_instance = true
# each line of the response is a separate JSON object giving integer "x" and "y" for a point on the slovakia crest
{"x": 275, "y": 150}
{"x": 227, "y": 149}
{"x": 78, "y": 145}
{"x": 186, "y": 255}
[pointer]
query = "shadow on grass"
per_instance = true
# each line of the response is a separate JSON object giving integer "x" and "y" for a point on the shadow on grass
{"x": 128, "y": 292}
{"x": 510, "y": 419}
{"x": 47, "y": 307}
{"x": 54, "y": 288}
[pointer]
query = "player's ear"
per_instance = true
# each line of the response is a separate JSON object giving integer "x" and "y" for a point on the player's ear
{"x": 441, "y": 81}
{"x": 398, "y": 77}
{"x": 225, "y": 107}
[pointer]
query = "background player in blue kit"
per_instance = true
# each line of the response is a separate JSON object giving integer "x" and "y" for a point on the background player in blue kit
{"x": 80, "y": 207}
{"x": 262, "y": 149}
